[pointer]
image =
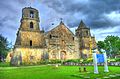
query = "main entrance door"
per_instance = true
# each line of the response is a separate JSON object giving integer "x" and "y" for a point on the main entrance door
{"x": 62, "y": 55}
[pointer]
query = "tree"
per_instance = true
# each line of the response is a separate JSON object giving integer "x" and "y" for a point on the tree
{"x": 111, "y": 44}
{"x": 101, "y": 45}
{"x": 4, "y": 48}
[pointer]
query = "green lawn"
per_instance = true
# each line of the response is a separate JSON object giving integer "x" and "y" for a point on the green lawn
{"x": 50, "y": 72}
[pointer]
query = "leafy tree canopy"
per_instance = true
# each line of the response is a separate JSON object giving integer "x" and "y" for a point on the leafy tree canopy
{"x": 4, "y": 47}
{"x": 111, "y": 44}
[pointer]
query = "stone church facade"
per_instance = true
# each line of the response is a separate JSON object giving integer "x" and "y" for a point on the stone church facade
{"x": 33, "y": 45}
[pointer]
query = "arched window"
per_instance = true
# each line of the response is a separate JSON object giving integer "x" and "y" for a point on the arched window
{"x": 31, "y": 24}
{"x": 87, "y": 33}
{"x": 31, "y": 14}
{"x": 73, "y": 38}
{"x": 50, "y": 36}
{"x": 30, "y": 42}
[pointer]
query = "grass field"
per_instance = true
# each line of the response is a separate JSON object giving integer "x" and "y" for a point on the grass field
{"x": 62, "y": 72}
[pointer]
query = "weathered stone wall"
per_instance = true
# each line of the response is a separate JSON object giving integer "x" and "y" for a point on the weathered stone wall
{"x": 58, "y": 43}
{"x": 30, "y": 42}
{"x": 28, "y": 55}
{"x": 35, "y": 37}
{"x": 94, "y": 44}
{"x": 61, "y": 40}
{"x": 26, "y": 13}
{"x": 86, "y": 41}
{"x": 25, "y": 25}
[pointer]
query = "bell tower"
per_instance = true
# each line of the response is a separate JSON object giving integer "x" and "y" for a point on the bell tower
{"x": 86, "y": 41}
{"x": 29, "y": 34}
{"x": 83, "y": 30}
{"x": 30, "y": 19}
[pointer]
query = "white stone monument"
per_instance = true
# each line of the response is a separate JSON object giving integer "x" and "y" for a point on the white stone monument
{"x": 95, "y": 62}
{"x": 105, "y": 61}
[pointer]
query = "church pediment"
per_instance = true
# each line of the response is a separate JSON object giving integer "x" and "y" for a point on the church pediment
{"x": 61, "y": 30}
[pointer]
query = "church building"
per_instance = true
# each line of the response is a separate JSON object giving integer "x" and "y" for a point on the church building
{"x": 33, "y": 44}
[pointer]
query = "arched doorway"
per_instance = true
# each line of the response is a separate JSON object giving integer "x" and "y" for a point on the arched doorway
{"x": 63, "y": 55}
{"x": 53, "y": 55}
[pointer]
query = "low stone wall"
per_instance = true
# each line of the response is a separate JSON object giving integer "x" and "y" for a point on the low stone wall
{"x": 114, "y": 63}
{"x": 90, "y": 64}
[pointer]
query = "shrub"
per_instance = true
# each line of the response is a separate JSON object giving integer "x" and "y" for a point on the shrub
{"x": 73, "y": 60}
{"x": 111, "y": 60}
{"x": 4, "y": 64}
{"x": 54, "y": 61}
{"x": 117, "y": 59}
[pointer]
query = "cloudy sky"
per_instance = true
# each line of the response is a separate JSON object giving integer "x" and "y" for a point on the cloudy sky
{"x": 102, "y": 16}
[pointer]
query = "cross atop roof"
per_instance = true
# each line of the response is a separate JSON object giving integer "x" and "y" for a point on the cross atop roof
{"x": 61, "y": 22}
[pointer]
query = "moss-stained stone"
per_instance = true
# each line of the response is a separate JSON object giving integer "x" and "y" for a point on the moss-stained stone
{"x": 33, "y": 45}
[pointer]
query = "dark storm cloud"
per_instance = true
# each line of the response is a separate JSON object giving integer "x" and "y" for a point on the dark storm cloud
{"x": 9, "y": 13}
{"x": 93, "y": 10}
{"x": 2, "y": 20}
{"x": 9, "y": 17}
